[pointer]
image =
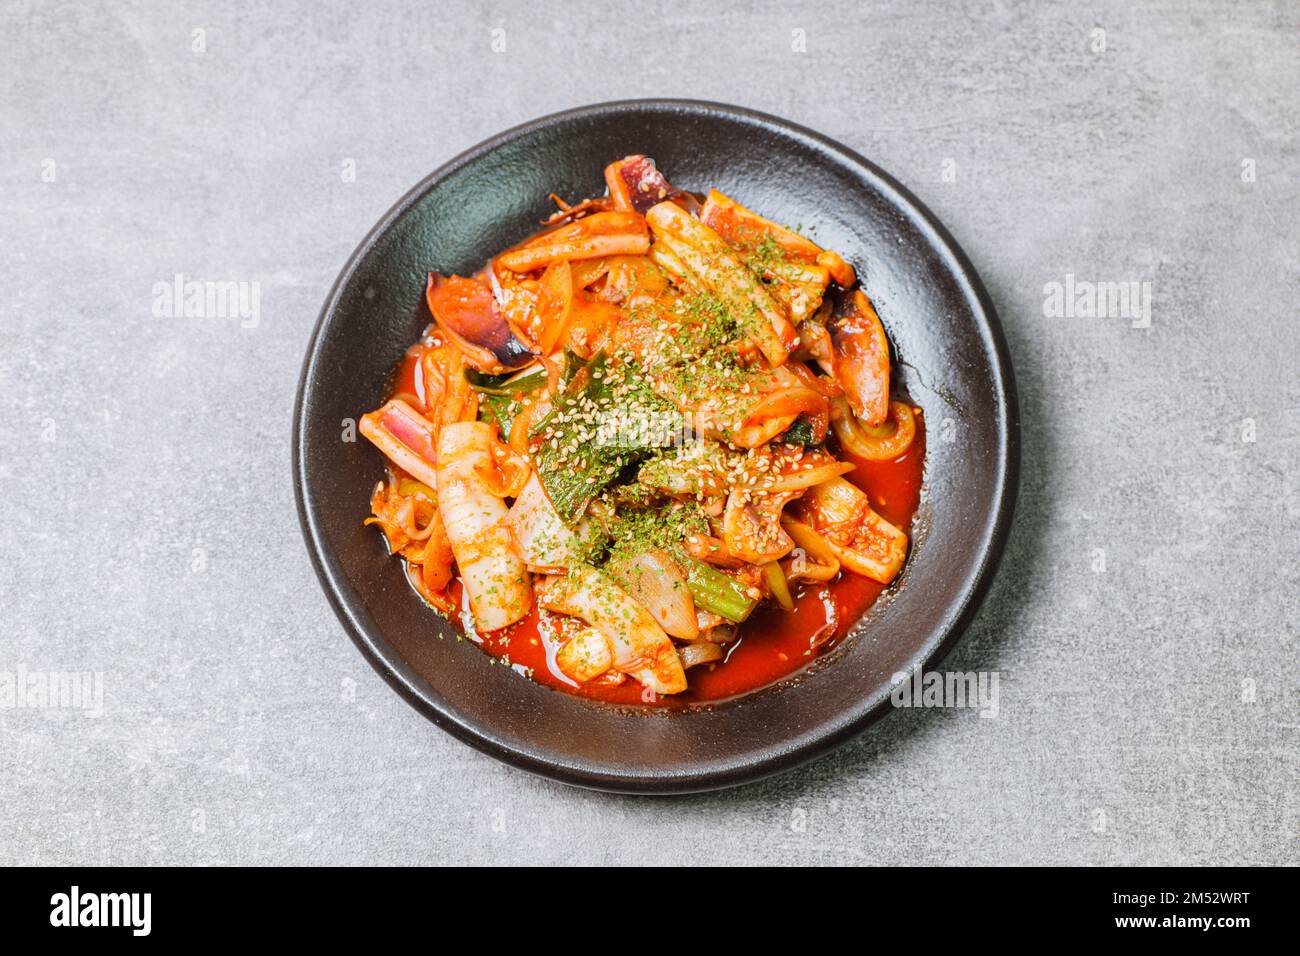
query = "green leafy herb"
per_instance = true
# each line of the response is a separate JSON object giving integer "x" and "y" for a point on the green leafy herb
{"x": 765, "y": 255}
{"x": 500, "y": 409}
{"x": 506, "y": 385}
{"x": 603, "y": 420}
{"x": 800, "y": 433}
{"x": 635, "y": 531}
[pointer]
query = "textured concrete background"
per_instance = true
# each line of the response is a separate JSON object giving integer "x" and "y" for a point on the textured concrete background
{"x": 1144, "y": 622}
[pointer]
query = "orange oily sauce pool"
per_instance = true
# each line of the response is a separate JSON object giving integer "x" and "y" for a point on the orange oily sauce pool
{"x": 771, "y": 644}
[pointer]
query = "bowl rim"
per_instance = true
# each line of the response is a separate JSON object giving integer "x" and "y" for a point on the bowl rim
{"x": 821, "y": 739}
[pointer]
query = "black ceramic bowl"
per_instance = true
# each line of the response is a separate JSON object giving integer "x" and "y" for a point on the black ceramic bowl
{"x": 951, "y": 359}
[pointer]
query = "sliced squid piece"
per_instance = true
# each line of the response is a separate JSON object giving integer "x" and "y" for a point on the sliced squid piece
{"x": 875, "y": 443}
{"x": 494, "y": 575}
{"x": 747, "y": 409}
{"x": 516, "y": 296}
{"x": 703, "y": 252}
{"x": 860, "y": 539}
{"x": 467, "y": 312}
{"x": 636, "y": 184}
{"x": 442, "y": 386}
{"x": 711, "y": 550}
{"x": 815, "y": 343}
{"x": 701, "y": 652}
{"x": 585, "y": 656}
{"x": 802, "y": 470}
{"x": 597, "y": 235}
{"x": 641, "y": 648}
{"x": 406, "y": 437}
{"x": 633, "y": 281}
{"x": 667, "y": 260}
{"x": 798, "y": 286}
{"x": 751, "y": 525}
{"x": 746, "y": 229}
{"x": 861, "y": 357}
{"x": 812, "y": 559}
{"x": 397, "y": 507}
{"x": 407, "y": 513}
{"x": 797, "y": 269}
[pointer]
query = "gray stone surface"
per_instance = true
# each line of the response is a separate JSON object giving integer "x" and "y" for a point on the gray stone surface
{"x": 1148, "y": 710}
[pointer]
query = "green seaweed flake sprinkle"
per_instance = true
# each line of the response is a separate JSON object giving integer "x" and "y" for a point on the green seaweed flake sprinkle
{"x": 635, "y": 531}
{"x": 764, "y": 255}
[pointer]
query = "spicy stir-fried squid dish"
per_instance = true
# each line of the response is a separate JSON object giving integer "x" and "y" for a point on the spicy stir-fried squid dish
{"x": 651, "y": 450}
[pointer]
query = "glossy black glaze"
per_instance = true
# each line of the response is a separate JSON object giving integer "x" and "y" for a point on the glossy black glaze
{"x": 953, "y": 363}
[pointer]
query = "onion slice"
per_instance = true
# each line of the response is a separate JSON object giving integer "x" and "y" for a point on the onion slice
{"x": 593, "y": 237}
{"x": 701, "y": 652}
{"x": 875, "y": 444}
{"x": 816, "y": 475}
{"x": 774, "y": 577}
{"x": 813, "y": 559}
{"x": 658, "y": 584}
